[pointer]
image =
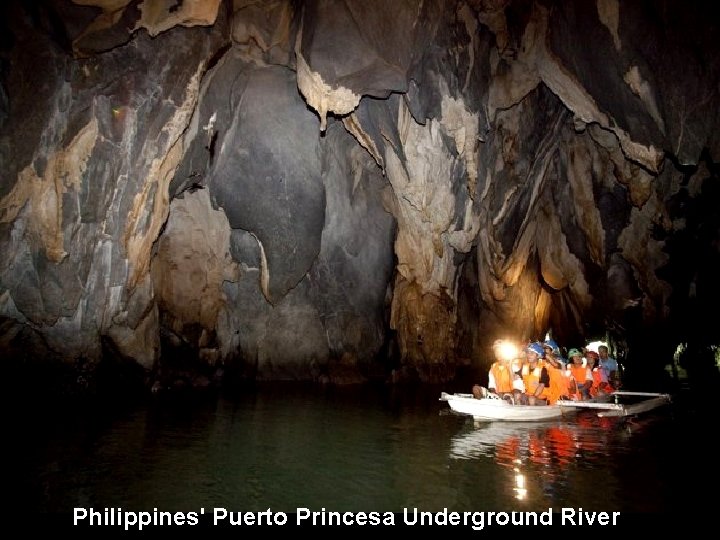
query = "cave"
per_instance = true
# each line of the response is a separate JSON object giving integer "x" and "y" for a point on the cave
{"x": 198, "y": 192}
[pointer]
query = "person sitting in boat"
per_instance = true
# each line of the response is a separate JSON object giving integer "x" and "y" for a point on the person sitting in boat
{"x": 518, "y": 384}
{"x": 500, "y": 375}
{"x": 479, "y": 392}
{"x": 610, "y": 365}
{"x": 552, "y": 349}
{"x": 600, "y": 384}
{"x": 559, "y": 380}
{"x": 580, "y": 376}
{"x": 535, "y": 376}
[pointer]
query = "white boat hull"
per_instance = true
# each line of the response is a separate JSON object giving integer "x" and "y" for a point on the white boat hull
{"x": 499, "y": 409}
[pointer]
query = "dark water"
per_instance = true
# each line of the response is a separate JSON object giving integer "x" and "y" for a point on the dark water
{"x": 363, "y": 449}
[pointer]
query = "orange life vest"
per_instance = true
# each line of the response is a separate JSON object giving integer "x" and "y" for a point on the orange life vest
{"x": 531, "y": 378}
{"x": 558, "y": 384}
{"x": 503, "y": 377}
{"x": 600, "y": 385}
{"x": 578, "y": 376}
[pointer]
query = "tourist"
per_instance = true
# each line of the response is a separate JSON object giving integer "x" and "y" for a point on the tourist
{"x": 518, "y": 384}
{"x": 559, "y": 380}
{"x": 610, "y": 365}
{"x": 500, "y": 375}
{"x": 535, "y": 376}
{"x": 580, "y": 375}
{"x": 600, "y": 384}
{"x": 552, "y": 349}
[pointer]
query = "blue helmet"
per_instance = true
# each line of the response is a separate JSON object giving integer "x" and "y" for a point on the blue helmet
{"x": 536, "y": 347}
{"x": 552, "y": 344}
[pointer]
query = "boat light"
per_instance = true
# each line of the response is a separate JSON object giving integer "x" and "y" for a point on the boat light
{"x": 507, "y": 350}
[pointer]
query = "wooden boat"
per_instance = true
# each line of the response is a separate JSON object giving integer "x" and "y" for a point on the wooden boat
{"x": 492, "y": 407}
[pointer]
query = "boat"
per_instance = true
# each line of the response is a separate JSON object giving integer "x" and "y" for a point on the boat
{"x": 491, "y": 407}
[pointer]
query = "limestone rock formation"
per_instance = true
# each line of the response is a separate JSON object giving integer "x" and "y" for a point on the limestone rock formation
{"x": 336, "y": 191}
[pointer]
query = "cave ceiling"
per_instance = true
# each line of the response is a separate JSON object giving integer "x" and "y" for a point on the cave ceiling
{"x": 321, "y": 188}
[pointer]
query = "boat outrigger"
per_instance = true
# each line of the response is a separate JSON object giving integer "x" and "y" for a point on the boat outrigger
{"x": 634, "y": 403}
{"x": 492, "y": 407}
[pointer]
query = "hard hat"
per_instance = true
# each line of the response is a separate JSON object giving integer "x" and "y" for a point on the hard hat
{"x": 574, "y": 352}
{"x": 536, "y": 347}
{"x": 552, "y": 344}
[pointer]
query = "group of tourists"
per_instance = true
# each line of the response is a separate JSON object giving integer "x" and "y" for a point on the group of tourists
{"x": 539, "y": 375}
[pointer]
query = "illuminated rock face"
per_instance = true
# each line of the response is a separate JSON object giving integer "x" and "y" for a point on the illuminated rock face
{"x": 333, "y": 190}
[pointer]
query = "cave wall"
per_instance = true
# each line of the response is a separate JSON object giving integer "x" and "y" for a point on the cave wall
{"x": 331, "y": 190}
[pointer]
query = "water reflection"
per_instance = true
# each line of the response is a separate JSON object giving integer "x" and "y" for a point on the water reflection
{"x": 541, "y": 443}
{"x": 541, "y": 458}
